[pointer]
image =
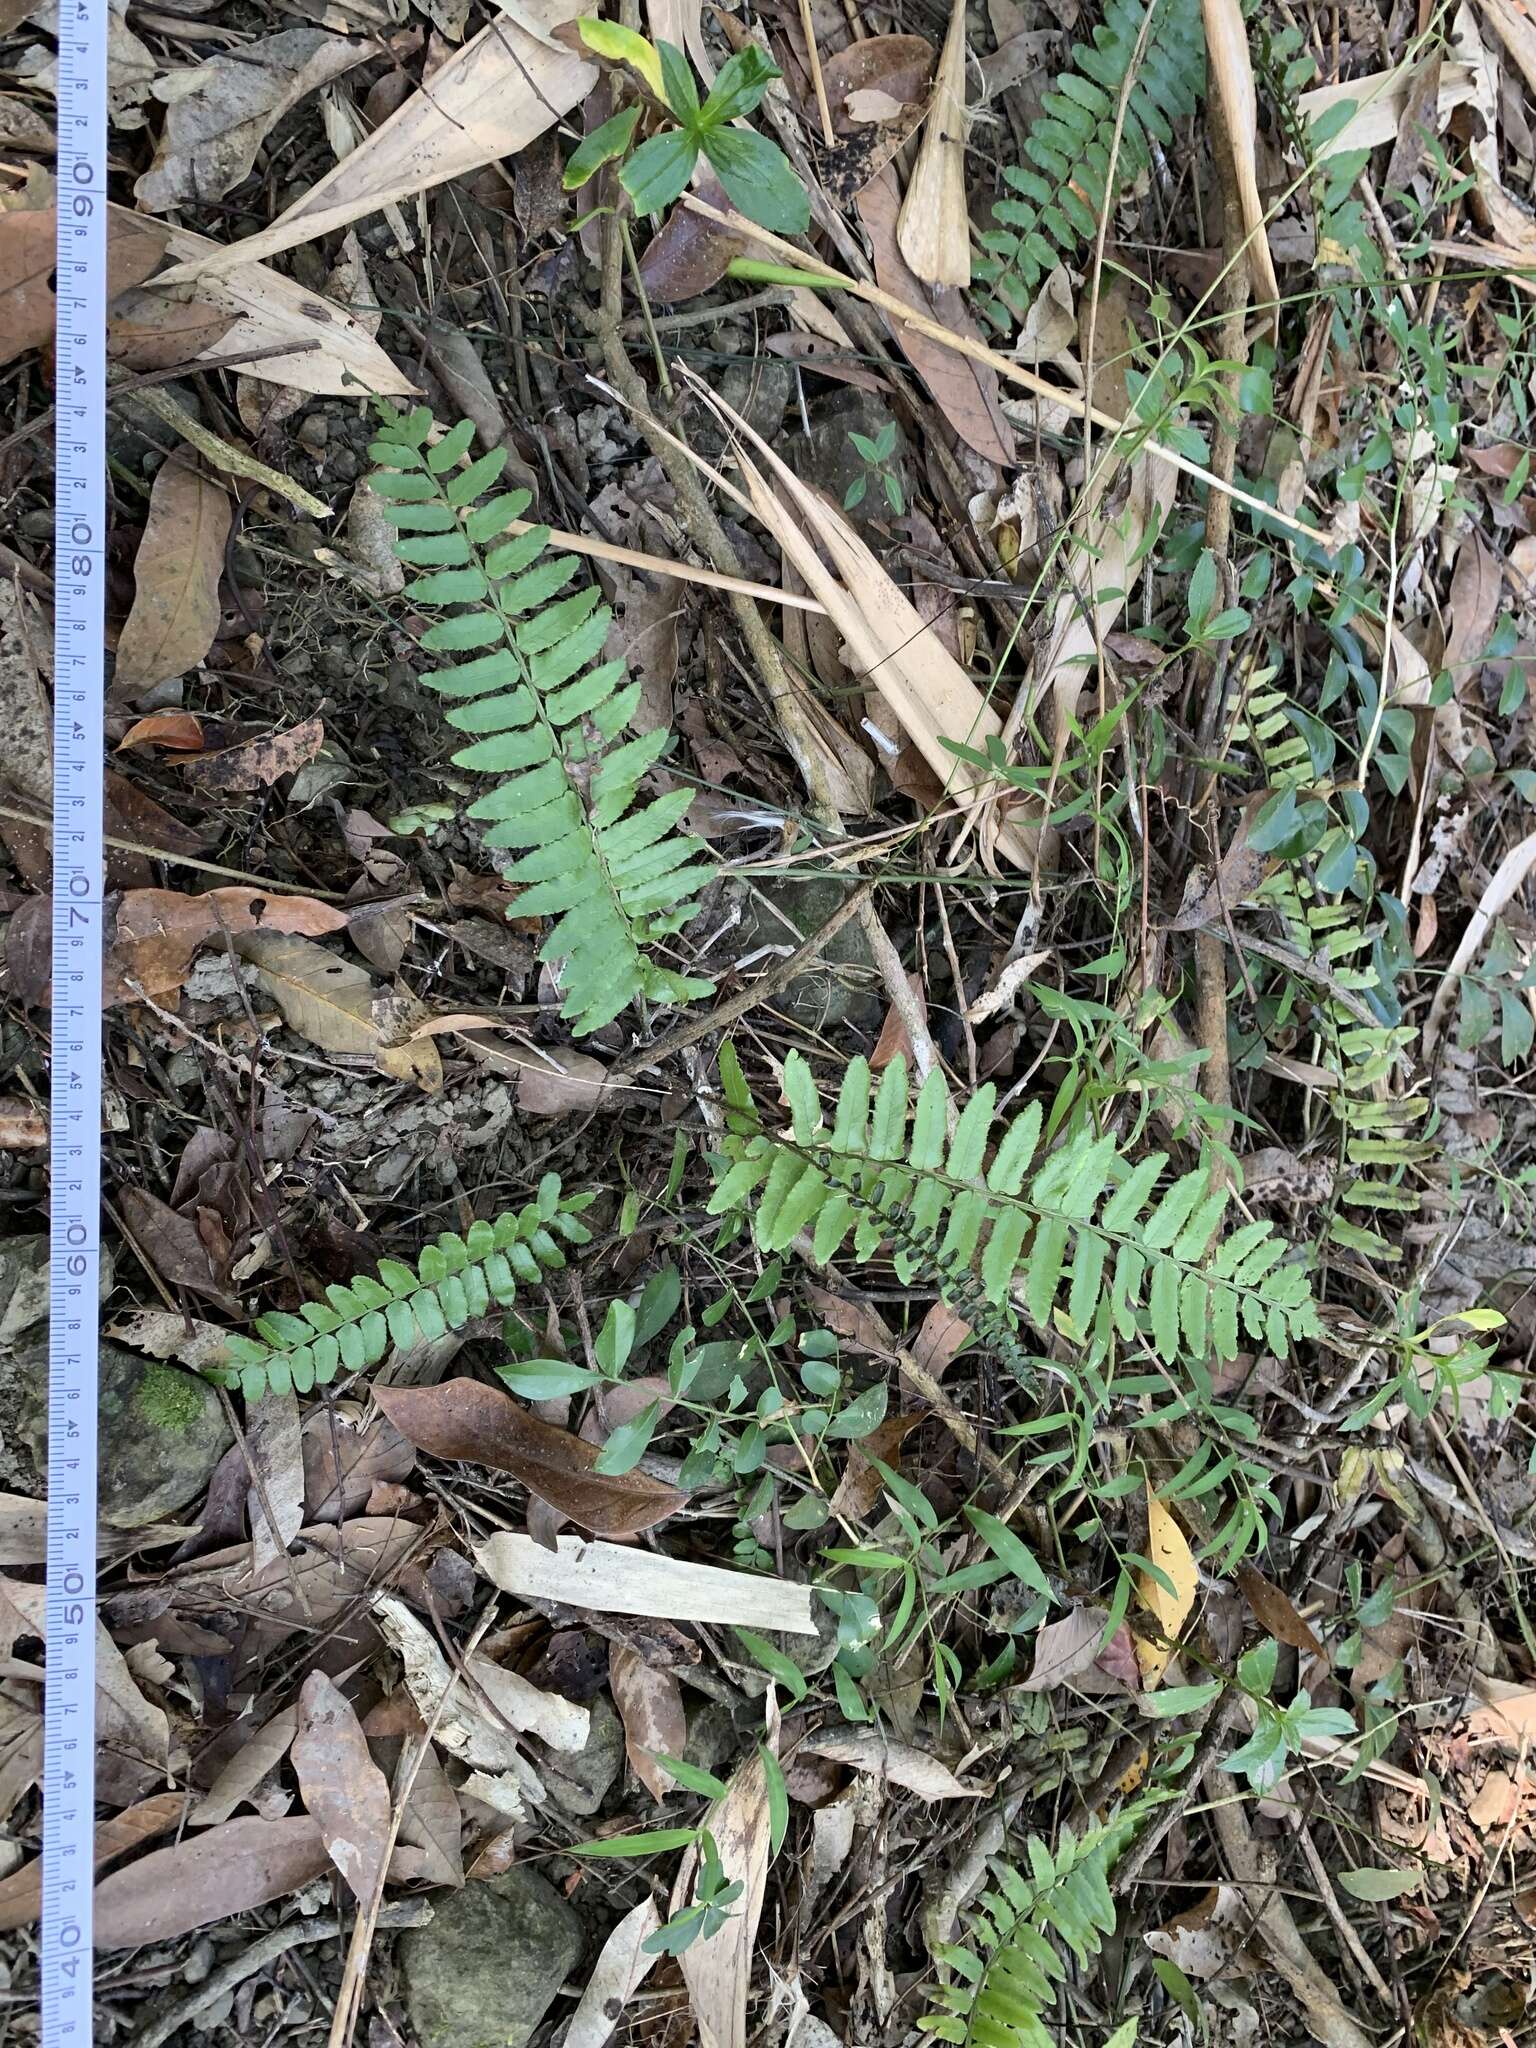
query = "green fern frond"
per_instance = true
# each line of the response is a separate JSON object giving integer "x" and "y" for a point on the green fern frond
{"x": 1003, "y": 1980}
{"x": 1087, "y": 1243}
{"x": 454, "y": 1279}
{"x": 613, "y": 878}
{"x": 1066, "y": 188}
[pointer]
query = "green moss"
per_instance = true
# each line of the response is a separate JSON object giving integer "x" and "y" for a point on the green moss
{"x": 169, "y": 1399}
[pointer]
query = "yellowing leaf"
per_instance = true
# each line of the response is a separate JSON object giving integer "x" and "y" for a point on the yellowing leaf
{"x": 1168, "y": 1550}
{"x": 624, "y": 46}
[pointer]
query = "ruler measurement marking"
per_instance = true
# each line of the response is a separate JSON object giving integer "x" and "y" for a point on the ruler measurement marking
{"x": 75, "y": 1119}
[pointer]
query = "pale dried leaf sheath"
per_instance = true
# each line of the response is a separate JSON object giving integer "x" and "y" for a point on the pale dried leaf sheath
{"x": 489, "y": 100}
{"x": 934, "y": 231}
{"x": 1226, "y": 38}
{"x": 617, "y": 1580}
{"x": 718, "y": 1972}
{"x": 893, "y": 648}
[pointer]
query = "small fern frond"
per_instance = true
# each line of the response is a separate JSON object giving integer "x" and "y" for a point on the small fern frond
{"x": 1075, "y": 171}
{"x": 1002, "y": 1981}
{"x": 1086, "y": 1243}
{"x": 549, "y": 714}
{"x": 454, "y": 1279}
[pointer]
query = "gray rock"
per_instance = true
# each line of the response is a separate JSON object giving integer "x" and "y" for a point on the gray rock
{"x": 714, "y": 1741}
{"x": 483, "y": 1973}
{"x": 842, "y": 987}
{"x": 162, "y": 1432}
{"x": 828, "y": 460}
{"x": 579, "y": 1783}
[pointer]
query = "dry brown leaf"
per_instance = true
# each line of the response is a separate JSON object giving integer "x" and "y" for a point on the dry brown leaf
{"x": 257, "y": 764}
{"x": 462, "y": 1420}
{"x": 181, "y": 730}
{"x": 157, "y": 932}
{"x": 690, "y": 255}
{"x": 1171, "y": 1605}
{"x": 934, "y": 230}
{"x": 430, "y": 1819}
{"x": 26, "y": 272}
{"x": 610, "y": 1578}
{"x": 620, "y": 1970}
{"x": 275, "y": 1448}
{"x": 1272, "y": 1609}
{"x": 1211, "y": 897}
{"x": 489, "y": 100}
{"x": 1476, "y": 587}
{"x": 148, "y": 331}
{"x": 333, "y": 1003}
{"x": 346, "y": 1456}
{"x": 1065, "y": 1649}
{"x": 965, "y": 391}
{"x": 344, "y": 1789}
{"x": 1512, "y": 24}
{"x": 1231, "y": 72}
{"x": 650, "y": 1704}
{"x": 206, "y": 1878}
{"x": 175, "y": 1247}
{"x": 176, "y": 576}
{"x": 930, "y": 695}
{"x": 219, "y": 112}
{"x": 246, "y": 1770}
{"x": 871, "y": 1751}
{"x": 21, "y": 1894}
{"x": 718, "y": 1972}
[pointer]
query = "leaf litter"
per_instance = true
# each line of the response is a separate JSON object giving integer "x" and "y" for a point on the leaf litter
{"x": 650, "y": 1574}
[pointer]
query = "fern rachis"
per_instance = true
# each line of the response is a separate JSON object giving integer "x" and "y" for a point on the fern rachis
{"x": 1077, "y": 168}
{"x": 454, "y": 1279}
{"x": 547, "y": 715}
{"x": 1132, "y": 1263}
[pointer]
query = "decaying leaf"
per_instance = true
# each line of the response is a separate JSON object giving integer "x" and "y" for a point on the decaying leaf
{"x": 176, "y": 576}
{"x": 619, "y": 1580}
{"x": 871, "y": 1751}
{"x": 257, "y": 764}
{"x": 1066, "y": 1648}
{"x": 718, "y": 1972}
{"x": 157, "y": 932}
{"x": 934, "y": 231}
{"x": 344, "y": 1789}
{"x": 430, "y": 1819}
{"x": 21, "y": 1894}
{"x": 206, "y": 1877}
{"x": 219, "y": 111}
{"x": 650, "y": 1704}
{"x": 461, "y": 1419}
{"x": 617, "y": 1975}
{"x": 332, "y": 1002}
{"x": 489, "y": 100}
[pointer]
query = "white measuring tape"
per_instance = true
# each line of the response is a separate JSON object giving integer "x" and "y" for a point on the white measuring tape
{"x": 79, "y": 573}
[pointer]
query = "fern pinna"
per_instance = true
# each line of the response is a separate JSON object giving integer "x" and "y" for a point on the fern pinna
{"x": 613, "y": 878}
{"x": 454, "y": 1279}
{"x": 1087, "y": 1247}
{"x": 1003, "y": 1980}
{"x": 1076, "y": 172}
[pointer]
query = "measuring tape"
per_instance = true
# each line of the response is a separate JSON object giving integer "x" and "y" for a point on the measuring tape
{"x": 79, "y": 573}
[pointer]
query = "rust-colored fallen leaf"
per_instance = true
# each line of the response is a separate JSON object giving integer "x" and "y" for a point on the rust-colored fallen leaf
{"x": 965, "y": 391}
{"x": 207, "y": 1877}
{"x": 462, "y": 1420}
{"x": 176, "y": 576}
{"x": 690, "y": 255}
{"x": 158, "y": 932}
{"x": 257, "y": 764}
{"x": 26, "y": 273}
{"x": 21, "y": 1894}
{"x": 182, "y": 730}
{"x": 344, "y": 1789}
{"x": 1273, "y": 1611}
{"x": 650, "y": 1704}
